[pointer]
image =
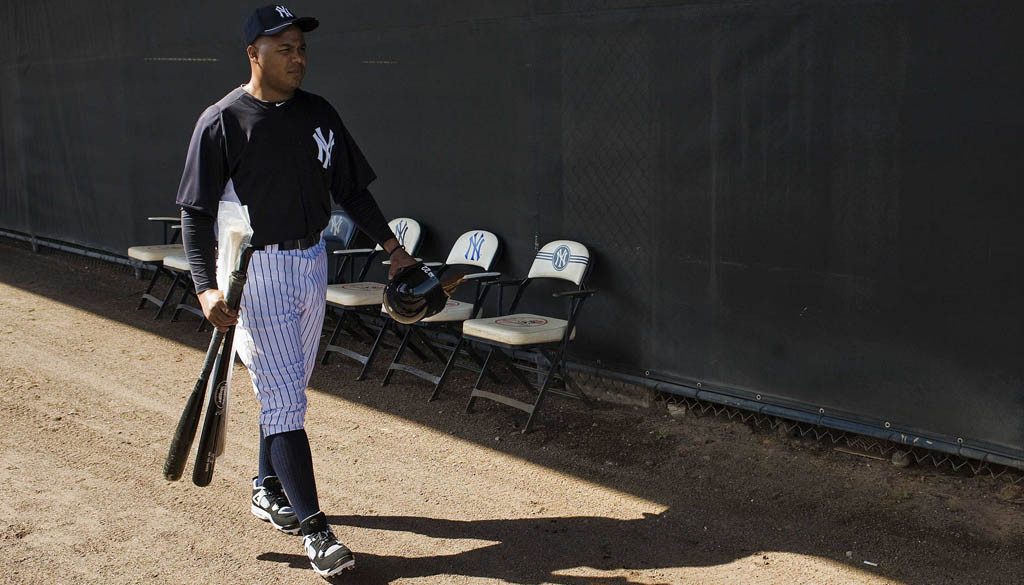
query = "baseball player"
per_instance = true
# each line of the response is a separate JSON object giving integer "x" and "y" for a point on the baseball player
{"x": 286, "y": 154}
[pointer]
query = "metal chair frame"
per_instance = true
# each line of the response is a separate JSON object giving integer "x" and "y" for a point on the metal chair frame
{"x": 554, "y": 353}
{"x": 435, "y": 346}
{"x": 352, "y": 319}
{"x": 467, "y": 254}
{"x": 171, "y": 231}
{"x": 188, "y": 291}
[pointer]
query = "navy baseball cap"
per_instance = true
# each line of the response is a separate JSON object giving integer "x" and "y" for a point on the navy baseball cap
{"x": 272, "y": 19}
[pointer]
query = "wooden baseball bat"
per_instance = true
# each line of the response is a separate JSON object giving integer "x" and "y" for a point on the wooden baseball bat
{"x": 181, "y": 442}
{"x": 206, "y": 456}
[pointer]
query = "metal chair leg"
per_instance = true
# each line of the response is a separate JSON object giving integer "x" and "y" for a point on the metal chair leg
{"x": 540, "y": 396}
{"x": 373, "y": 350}
{"x": 479, "y": 379}
{"x": 398, "y": 356}
{"x": 479, "y": 362}
{"x": 181, "y": 301}
{"x": 334, "y": 337}
{"x": 167, "y": 297}
{"x": 430, "y": 346}
{"x": 149, "y": 289}
{"x": 518, "y": 375}
{"x": 447, "y": 368}
{"x": 555, "y": 364}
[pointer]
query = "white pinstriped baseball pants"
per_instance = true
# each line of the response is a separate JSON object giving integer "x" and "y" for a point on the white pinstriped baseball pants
{"x": 279, "y": 324}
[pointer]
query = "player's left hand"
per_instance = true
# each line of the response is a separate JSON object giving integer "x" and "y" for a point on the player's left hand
{"x": 399, "y": 260}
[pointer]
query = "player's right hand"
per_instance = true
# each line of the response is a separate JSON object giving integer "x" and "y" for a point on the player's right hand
{"x": 216, "y": 310}
{"x": 399, "y": 260}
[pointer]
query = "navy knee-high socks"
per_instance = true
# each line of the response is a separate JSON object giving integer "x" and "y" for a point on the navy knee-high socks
{"x": 287, "y": 456}
{"x": 266, "y": 468}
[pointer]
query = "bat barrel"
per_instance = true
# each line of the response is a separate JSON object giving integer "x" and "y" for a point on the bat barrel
{"x": 185, "y": 432}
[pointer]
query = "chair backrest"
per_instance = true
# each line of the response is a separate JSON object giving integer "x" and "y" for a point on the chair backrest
{"x": 476, "y": 248}
{"x": 407, "y": 231}
{"x": 563, "y": 259}
{"x": 340, "y": 229}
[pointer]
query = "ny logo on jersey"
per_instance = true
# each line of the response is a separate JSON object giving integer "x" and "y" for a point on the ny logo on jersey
{"x": 324, "y": 146}
{"x": 281, "y": 10}
{"x": 400, "y": 229}
{"x": 476, "y": 243}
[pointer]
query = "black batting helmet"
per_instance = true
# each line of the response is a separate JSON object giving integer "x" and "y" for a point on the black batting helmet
{"x": 414, "y": 294}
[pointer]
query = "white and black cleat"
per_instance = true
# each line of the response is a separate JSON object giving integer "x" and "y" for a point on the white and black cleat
{"x": 271, "y": 505}
{"x": 327, "y": 556}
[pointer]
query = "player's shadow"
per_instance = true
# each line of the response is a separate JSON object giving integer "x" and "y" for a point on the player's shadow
{"x": 534, "y": 550}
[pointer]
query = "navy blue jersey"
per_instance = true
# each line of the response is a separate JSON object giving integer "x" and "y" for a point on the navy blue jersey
{"x": 285, "y": 161}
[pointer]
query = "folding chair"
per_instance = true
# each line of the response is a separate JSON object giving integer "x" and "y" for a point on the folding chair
{"x": 178, "y": 264}
{"x": 338, "y": 235}
{"x": 546, "y": 338}
{"x": 362, "y": 298}
{"x": 475, "y": 249}
{"x": 153, "y": 256}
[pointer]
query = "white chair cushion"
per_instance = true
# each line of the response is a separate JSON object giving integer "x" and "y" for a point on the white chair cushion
{"x": 177, "y": 262}
{"x": 453, "y": 311}
{"x": 355, "y": 294}
{"x": 518, "y": 329}
{"x": 154, "y": 253}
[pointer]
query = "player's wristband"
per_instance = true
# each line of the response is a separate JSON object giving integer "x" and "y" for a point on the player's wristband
{"x": 395, "y": 249}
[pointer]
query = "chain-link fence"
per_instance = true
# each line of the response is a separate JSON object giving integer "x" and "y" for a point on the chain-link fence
{"x": 899, "y": 455}
{"x": 612, "y": 389}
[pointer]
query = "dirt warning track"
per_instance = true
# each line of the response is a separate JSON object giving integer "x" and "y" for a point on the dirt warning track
{"x": 424, "y": 493}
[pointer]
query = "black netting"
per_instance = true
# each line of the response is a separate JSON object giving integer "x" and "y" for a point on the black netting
{"x": 816, "y": 202}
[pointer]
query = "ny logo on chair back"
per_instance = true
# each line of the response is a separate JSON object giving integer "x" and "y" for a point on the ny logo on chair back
{"x": 400, "y": 230}
{"x": 340, "y": 229}
{"x": 476, "y": 241}
{"x": 476, "y": 248}
{"x": 562, "y": 259}
{"x": 407, "y": 231}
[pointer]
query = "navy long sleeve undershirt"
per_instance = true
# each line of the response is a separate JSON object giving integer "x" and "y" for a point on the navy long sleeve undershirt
{"x": 200, "y": 247}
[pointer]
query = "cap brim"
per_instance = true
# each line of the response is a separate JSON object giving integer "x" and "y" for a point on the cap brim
{"x": 305, "y": 24}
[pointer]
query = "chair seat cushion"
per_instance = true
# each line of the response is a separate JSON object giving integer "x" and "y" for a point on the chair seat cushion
{"x": 355, "y": 294}
{"x": 154, "y": 253}
{"x": 177, "y": 262}
{"x": 518, "y": 329}
{"x": 453, "y": 311}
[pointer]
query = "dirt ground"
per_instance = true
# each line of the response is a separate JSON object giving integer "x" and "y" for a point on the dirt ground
{"x": 424, "y": 493}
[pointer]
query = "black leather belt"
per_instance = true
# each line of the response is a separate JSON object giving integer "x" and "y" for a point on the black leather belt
{"x": 300, "y": 244}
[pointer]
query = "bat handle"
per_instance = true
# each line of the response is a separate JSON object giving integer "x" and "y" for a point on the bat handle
{"x": 237, "y": 279}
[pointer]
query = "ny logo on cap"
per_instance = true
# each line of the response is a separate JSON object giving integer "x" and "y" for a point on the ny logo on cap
{"x": 283, "y": 12}
{"x": 324, "y": 146}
